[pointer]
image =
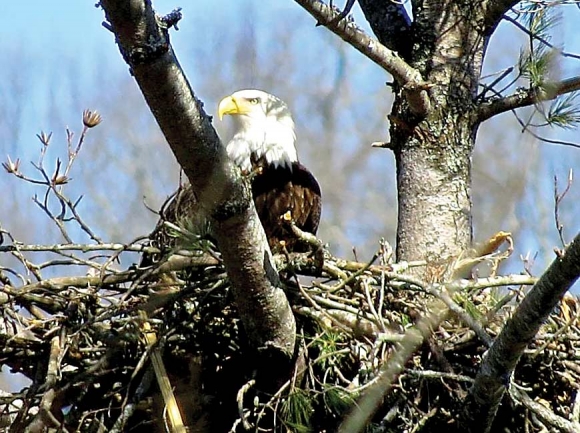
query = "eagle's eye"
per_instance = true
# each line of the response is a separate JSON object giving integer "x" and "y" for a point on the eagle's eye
{"x": 254, "y": 101}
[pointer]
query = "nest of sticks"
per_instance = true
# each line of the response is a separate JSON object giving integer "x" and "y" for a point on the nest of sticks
{"x": 86, "y": 345}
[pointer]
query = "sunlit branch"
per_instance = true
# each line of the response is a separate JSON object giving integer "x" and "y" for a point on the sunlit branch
{"x": 409, "y": 78}
{"x": 143, "y": 41}
{"x": 526, "y": 97}
{"x": 503, "y": 356}
{"x": 140, "y": 248}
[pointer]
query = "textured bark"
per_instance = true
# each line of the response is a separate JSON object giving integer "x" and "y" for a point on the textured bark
{"x": 390, "y": 23}
{"x": 404, "y": 75}
{"x": 216, "y": 181}
{"x": 434, "y": 154}
{"x": 498, "y": 365}
{"x": 494, "y": 11}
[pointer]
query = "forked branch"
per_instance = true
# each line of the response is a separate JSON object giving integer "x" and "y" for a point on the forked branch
{"x": 143, "y": 40}
{"x": 498, "y": 365}
{"x": 408, "y": 77}
{"x": 526, "y": 97}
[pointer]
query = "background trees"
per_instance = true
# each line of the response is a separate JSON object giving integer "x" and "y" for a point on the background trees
{"x": 341, "y": 114}
{"x": 339, "y": 77}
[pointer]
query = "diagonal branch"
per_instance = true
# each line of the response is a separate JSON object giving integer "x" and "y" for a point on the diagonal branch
{"x": 408, "y": 77}
{"x": 540, "y": 39}
{"x": 494, "y": 12}
{"x": 144, "y": 44}
{"x": 499, "y": 363}
{"x": 390, "y": 23}
{"x": 525, "y": 97}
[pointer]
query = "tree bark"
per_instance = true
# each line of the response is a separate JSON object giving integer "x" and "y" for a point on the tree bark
{"x": 499, "y": 363}
{"x": 390, "y": 23}
{"x": 433, "y": 154}
{"x": 225, "y": 198}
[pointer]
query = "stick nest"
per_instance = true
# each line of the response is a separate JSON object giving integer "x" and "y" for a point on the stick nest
{"x": 80, "y": 343}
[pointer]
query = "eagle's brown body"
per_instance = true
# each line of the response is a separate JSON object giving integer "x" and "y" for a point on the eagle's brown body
{"x": 279, "y": 190}
{"x": 263, "y": 147}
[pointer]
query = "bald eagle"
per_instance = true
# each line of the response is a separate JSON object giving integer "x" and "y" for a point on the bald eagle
{"x": 264, "y": 145}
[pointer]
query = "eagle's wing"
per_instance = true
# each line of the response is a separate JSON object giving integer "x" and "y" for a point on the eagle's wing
{"x": 279, "y": 190}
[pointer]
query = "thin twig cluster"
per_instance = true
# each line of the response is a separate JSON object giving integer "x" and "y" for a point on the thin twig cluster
{"x": 81, "y": 339}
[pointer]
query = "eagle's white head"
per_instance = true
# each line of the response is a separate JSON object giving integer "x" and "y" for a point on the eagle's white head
{"x": 264, "y": 128}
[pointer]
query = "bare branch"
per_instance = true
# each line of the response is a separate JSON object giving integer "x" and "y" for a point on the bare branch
{"x": 499, "y": 363}
{"x": 390, "y": 23}
{"x": 144, "y": 43}
{"x": 408, "y": 77}
{"x": 540, "y": 38}
{"x": 525, "y": 97}
{"x": 558, "y": 197}
{"x": 541, "y": 138}
{"x": 543, "y": 413}
{"x": 140, "y": 248}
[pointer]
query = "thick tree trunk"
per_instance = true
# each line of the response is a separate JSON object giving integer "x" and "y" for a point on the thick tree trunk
{"x": 434, "y": 154}
{"x": 434, "y": 191}
{"x": 215, "y": 180}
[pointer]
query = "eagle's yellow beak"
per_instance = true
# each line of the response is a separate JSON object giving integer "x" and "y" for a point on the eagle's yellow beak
{"x": 231, "y": 105}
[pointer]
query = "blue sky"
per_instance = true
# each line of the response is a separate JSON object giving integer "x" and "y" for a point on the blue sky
{"x": 44, "y": 38}
{"x": 48, "y": 36}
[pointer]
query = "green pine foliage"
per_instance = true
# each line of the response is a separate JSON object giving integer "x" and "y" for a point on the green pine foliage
{"x": 537, "y": 63}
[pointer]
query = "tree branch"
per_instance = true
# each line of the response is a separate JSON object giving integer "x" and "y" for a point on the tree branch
{"x": 539, "y": 38}
{"x": 408, "y": 77}
{"x": 525, "y": 97}
{"x": 499, "y": 363}
{"x": 546, "y": 415}
{"x": 390, "y": 23}
{"x": 225, "y": 198}
{"x": 494, "y": 12}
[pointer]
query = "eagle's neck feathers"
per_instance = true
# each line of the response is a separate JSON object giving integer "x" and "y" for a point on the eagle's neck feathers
{"x": 267, "y": 138}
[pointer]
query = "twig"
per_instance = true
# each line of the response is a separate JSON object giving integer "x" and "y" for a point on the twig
{"x": 491, "y": 85}
{"x": 240, "y": 399}
{"x": 489, "y": 282}
{"x": 539, "y": 38}
{"x": 525, "y": 97}
{"x": 378, "y": 317}
{"x": 557, "y": 201}
{"x": 175, "y": 420}
{"x": 346, "y": 281}
{"x": 438, "y": 375}
{"x": 542, "y": 412}
{"x": 408, "y": 77}
{"x": 312, "y": 300}
{"x": 441, "y": 293}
